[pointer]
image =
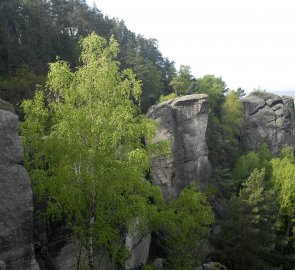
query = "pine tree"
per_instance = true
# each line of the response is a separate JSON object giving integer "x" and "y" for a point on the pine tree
{"x": 248, "y": 235}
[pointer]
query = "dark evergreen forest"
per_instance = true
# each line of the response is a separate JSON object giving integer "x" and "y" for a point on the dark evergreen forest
{"x": 34, "y": 33}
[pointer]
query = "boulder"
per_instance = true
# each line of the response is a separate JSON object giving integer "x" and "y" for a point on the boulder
{"x": 138, "y": 246}
{"x": 16, "y": 207}
{"x": 252, "y": 104}
{"x": 269, "y": 119}
{"x": 63, "y": 254}
{"x": 182, "y": 121}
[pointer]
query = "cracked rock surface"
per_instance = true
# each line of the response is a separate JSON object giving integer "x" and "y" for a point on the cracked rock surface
{"x": 183, "y": 121}
{"x": 269, "y": 119}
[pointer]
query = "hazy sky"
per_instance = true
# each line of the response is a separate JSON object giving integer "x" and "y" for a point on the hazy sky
{"x": 250, "y": 43}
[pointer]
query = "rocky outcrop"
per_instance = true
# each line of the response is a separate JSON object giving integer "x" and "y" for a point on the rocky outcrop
{"x": 16, "y": 208}
{"x": 269, "y": 119}
{"x": 183, "y": 121}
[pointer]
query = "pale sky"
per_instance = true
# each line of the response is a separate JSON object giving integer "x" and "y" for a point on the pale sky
{"x": 250, "y": 43}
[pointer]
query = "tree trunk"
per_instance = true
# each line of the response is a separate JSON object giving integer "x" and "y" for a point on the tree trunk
{"x": 79, "y": 257}
{"x": 288, "y": 230}
{"x": 90, "y": 240}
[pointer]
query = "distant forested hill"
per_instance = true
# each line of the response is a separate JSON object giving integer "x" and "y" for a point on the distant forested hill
{"x": 34, "y": 32}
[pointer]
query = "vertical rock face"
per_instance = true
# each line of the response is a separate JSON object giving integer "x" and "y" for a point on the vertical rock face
{"x": 16, "y": 208}
{"x": 183, "y": 121}
{"x": 269, "y": 119}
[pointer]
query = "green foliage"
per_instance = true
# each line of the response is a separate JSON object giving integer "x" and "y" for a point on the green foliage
{"x": 283, "y": 178}
{"x": 21, "y": 85}
{"x": 225, "y": 121}
{"x": 183, "y": 82}
{"x": 148, "y": 267}
{"x": 257, "y": 92}
{"x": 228, "y": 125}
{"x": 264, "y": 152}
{"x": 34, "y": 32}
{"x": 148, "y": 73}
{"x": 215, "y": 88}
{"x": 211, "y": 192}
{"x": 247, "y": 239}
{"x": 189, "y": 229}
{"x": 167, "y": 97}
{"x": 278, "y": 174}
{"x": 84, "y": 150}
{"x": 246, "y": 164}
{"x": 232, "y": 116}
{"x": 240, "y": 92}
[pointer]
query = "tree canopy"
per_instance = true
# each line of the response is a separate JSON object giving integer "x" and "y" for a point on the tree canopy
{"x": 248, "y": 233}
{"x": 86, "y": 155}
{"x": 85, "y": 151}
{"x": 183, "y": 83}
{"x": 34, "y": 32}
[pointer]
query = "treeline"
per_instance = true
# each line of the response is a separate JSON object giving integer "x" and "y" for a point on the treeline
{"x": 34, "y": 32}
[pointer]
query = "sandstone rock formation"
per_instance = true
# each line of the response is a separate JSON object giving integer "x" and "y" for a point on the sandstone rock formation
{"x": 183, "y": 121}
{"x": 269, "y": 118}
{"x": 16, "y": 208}
{"x": 138, "y": 248}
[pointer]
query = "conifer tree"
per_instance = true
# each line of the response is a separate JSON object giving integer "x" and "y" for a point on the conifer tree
{"x": 248, "y": 235}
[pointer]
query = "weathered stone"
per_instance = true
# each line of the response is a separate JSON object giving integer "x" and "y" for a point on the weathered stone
{"x": 267, "y": 96}
{"x": 277, "y": 106}
{"x": 59, "y": 248}
{"x": 138, "y": 247}
{"x": 158, "y": 263}
{"x": 16, "y": 208}
{"x": 11, "y": 151}
{"x": 63, "y": 254}
{"x": 2, "y": 265}
{"x": 5, "y": 106}
{"x": 272, "y": 102}
{"x": 289, "y": 103}
{"x": 66, "y": 253}
{"x": 253, "y": 104}
{"x": 183, "y": 121}
{"x": 271, "y": 123}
